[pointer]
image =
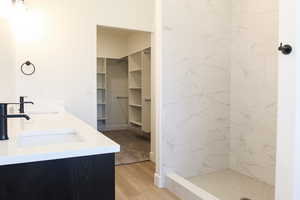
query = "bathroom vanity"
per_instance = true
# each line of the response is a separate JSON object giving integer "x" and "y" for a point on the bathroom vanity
{"x": 56, "y": 157}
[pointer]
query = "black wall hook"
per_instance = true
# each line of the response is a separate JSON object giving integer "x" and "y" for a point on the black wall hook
{"x": 285, "y": 49}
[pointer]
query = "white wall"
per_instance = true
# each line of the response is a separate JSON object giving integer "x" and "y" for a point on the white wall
{"x": 127, "y": 14}
{"x": 195, "y": 79}
{"x": 64, "y": 49}
{"x": 254, "y": 88}
{"x": 7, "y": 63}
{"x": 118, "y": 43}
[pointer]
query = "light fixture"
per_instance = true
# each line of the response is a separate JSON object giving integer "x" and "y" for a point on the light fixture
{"x": 26, "y": 24}
{"x": 19, "y": 5}
{"x": 19, "y": 10}
{"x": 16, "y": 2}
{"x": 20, "y": 20}
{"x": 10, "y": 8}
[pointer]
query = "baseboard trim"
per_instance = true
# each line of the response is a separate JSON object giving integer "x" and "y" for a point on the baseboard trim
{"x": 158, "y": 181}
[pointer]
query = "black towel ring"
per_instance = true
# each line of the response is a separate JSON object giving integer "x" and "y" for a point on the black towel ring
{"x": 27, "y": 63}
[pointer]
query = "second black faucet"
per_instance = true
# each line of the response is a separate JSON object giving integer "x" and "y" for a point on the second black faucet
{"x": 22, "y": 104}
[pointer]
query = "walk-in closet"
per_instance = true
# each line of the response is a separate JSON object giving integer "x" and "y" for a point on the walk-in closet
{"x": 124, "y": 91}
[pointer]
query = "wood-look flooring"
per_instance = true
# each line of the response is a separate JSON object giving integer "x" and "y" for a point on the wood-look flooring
{"x": 135, "y": 182}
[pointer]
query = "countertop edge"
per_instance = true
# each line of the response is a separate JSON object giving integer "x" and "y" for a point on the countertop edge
{"x": 22, "y": 159}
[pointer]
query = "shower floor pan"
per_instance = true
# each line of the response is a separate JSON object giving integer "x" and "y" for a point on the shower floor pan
{"x": 220, "y": 185}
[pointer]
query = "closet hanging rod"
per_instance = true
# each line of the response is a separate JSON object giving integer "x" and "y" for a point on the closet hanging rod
{"x": 120, "y": 97}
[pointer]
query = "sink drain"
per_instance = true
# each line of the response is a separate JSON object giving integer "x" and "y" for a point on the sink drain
{"x": 245, "y": 199}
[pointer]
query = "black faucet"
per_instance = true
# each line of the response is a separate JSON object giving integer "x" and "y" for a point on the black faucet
{"x": 3, "y": 120}
{"x": 22, "y": 103}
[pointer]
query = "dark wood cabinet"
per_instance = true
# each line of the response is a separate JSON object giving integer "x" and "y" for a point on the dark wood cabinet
{"x": 82, "y": 178}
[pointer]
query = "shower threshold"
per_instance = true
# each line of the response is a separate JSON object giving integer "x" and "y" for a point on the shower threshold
{"x": 220, "y": 185}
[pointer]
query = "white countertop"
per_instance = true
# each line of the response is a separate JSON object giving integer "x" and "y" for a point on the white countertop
{"x": 91, "y": 142}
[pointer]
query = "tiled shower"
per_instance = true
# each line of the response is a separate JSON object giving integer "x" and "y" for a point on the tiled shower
{"x": 219, "y": 96}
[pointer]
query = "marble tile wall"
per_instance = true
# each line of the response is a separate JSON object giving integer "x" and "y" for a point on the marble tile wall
{"x": 196, "y": 85}
{"x": 254, "y": 88}
{"x": 219, "y": 86}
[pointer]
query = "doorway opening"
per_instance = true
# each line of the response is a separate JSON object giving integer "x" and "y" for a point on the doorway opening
{"x": 124, "y": 91}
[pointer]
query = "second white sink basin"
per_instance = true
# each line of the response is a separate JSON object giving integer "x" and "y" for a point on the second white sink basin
{"x": 48, "y": 137}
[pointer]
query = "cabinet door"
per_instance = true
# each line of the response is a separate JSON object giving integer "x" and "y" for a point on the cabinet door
{"x": 146, "y": 99}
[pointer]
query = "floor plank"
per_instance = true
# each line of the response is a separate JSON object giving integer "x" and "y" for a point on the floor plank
{"x": 135, "y": 182}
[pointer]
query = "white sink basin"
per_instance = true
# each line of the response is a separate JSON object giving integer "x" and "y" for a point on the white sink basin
{"x": 48, "y": 137}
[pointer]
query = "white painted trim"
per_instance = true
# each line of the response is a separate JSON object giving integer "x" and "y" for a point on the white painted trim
{"x": 158, "y": 181}
{"x": 288, "y": 116}
{"x": 153, "y": 103}
{"x": 152, "y": 156}
{"x": 296, "y": 181}
{"x": 157, "y": 46}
